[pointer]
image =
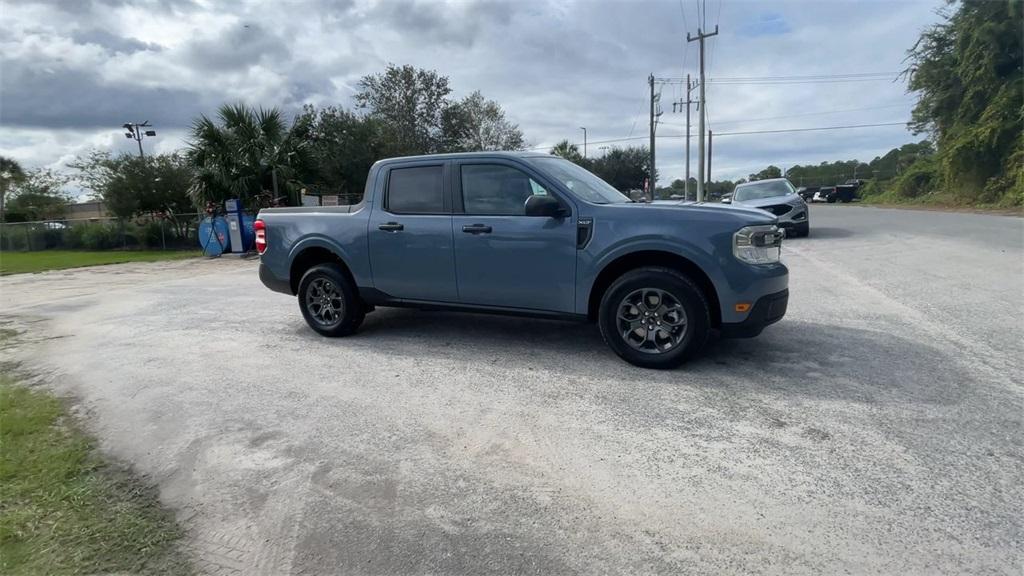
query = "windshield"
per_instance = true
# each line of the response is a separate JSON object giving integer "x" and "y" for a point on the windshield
{"x": 583, "y": 183}
{"x": 759, "y": 190}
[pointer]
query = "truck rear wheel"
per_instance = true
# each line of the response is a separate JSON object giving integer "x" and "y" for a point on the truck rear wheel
{"x": 654, "y": 317}
{"x": 329, "y": 302}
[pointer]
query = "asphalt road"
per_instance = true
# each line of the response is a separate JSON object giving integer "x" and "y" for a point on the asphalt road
{"x": 876, "y": 429}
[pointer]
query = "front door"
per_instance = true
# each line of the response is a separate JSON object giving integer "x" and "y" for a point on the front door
{"x": 411, "y": 252}
{"x": 503, "y": 257}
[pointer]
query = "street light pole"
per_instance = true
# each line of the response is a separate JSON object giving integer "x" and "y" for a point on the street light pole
{"x": 584, "y": 141}
{"x": 134, "y": 131}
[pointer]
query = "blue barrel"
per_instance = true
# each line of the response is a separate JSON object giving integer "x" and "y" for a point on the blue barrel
{"x": 213, "y": 236}
{"x": 248, "y": 233}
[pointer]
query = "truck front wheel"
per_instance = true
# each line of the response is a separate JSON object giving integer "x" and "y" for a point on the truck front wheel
{"x": 329, "y": 302}
{"x": 654, "y": 317}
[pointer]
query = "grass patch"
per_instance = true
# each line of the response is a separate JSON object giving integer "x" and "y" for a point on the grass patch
{"x": 22, "y": 262}
{"x": 63, "y": 510}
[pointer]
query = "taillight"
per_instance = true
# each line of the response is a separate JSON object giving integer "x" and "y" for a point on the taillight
{"x": 261, "y": 236}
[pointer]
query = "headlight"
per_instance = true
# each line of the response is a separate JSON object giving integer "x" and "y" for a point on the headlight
{"x": 757, "y": 244}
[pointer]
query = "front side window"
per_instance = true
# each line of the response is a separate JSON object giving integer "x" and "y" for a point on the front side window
{"x": 494, "y": 189}
{"x": 582, "y": 182}
{"x": 418, "y": 190}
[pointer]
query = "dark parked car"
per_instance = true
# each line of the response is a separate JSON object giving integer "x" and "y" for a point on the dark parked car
{"x": 844, "y": 193}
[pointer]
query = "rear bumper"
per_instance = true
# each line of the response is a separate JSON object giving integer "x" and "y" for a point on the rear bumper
{"x": 767, "y": 310}
{"x": 273, "y": 282}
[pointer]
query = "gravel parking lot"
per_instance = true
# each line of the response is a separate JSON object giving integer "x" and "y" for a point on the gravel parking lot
{"x": 876, "y": 429}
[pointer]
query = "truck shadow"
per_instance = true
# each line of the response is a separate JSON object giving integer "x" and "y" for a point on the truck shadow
{"x": 818, "y": 233}
{"x": 792, "y": 357}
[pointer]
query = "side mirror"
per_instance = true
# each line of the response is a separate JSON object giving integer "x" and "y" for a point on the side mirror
{"x": 726, "y": 200}
{"x": 547, "y": 206}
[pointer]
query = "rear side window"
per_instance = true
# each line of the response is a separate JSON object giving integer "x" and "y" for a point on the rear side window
{"x": 418, "y": 190}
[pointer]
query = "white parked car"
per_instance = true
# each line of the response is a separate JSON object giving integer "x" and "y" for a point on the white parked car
{"x": 778, "y": 196}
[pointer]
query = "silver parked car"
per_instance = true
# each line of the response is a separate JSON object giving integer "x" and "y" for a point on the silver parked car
{"x": 779, "y": 197}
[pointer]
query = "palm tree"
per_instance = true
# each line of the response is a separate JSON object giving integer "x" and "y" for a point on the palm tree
{"x": 10, "y": 173}
{"x": 568, "y": 151}
{"x": 247, "y": 154}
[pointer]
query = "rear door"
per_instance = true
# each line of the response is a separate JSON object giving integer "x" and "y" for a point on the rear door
{"x": 410, "y": 234}
{"x": 503, "y": 257}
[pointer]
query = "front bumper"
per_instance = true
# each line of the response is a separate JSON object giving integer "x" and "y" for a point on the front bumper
{"x": 273, "y": 282}
{"x": 768, "y": 309}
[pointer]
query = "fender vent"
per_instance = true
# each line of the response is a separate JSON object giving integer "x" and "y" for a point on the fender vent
{"x": 584, "y": 230}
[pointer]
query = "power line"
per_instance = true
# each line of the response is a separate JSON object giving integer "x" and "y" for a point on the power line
{"x": 869, "y": 76}
{"x": 783, "y": 82}
{"x": 821, "y": 113}
{"x": 615, "y": 140}
{"x": 810, "y": 129}
{"x": 809, "y": 77}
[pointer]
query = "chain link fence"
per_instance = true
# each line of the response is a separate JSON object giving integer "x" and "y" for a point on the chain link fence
{"x": 179, "y": 232}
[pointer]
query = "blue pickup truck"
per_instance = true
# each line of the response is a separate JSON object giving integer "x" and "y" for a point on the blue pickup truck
{"x": 529, "y": 234}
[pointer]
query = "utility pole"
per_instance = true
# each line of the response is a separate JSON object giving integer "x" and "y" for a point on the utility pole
{"x": 650, "y": 178}
{"x": 689, "y": 101}
{"x": 701, "y": 107}
{"x": 584, "y": 142}
{"x": 709, "y": 157}
{"x": 686, "y": 103}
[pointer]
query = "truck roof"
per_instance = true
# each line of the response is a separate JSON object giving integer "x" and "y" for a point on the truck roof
{"x": 453, "y": 155}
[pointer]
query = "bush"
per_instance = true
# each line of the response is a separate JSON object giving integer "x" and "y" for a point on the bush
{"x": 919, "y": 179}
{"x": 49, "y": 238}
{"x": 874, "y": 189}
{"x": 73, "y": 236}
{"x": 14, "y": 238}
{"x": 98, "y": 236}
{"x": 150, "y": 234}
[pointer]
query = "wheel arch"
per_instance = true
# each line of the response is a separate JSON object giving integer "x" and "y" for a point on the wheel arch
{"x": 644, "y": 258}
{"x": 314, "y": 255}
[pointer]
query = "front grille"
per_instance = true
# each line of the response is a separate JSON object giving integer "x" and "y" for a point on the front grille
{"x": 778, "y": 209}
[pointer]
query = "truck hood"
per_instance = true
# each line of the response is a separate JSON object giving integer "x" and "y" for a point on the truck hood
{"x": 748, "y": 214}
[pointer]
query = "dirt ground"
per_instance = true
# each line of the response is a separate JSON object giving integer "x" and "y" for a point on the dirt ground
{"x": 876, "y": 429}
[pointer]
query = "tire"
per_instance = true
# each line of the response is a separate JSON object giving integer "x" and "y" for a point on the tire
{"x": 633, "y": 293}
{"x": 803, "y": 230}
{"x": 325, "y": 287}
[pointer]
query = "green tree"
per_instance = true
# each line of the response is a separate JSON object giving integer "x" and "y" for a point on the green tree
{"x": 967, "y": 72}
{"x": 624, "y": 168}
{"x": 769, "y": 172}
{"x": 39, "y": 195}
{"x": 410, "y": 104}
{"x": 570, "y": 152}
{"x": 130, "y": 185}
{"x": 11, "y": 174}
{"x": 477, "y": 124}
{"x": 249, "y": 154}
{"x": 341, "y": 146}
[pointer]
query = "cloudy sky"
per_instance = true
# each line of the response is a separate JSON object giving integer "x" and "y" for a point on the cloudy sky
{"x": 72, "y": 71}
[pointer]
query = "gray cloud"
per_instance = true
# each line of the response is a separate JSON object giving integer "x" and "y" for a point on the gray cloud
{"x": 35, "y": 97}
{"x": 243, "y": 45}
{"x": 554, "y": 66}
{"x": 446, "y": 24}
{"x": 111, "y": 41}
